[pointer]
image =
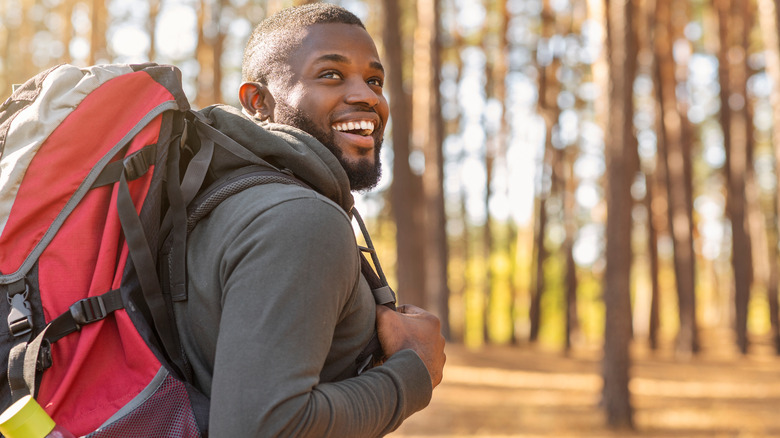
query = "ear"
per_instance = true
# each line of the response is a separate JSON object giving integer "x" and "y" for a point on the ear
{"x": 257, "y": 100}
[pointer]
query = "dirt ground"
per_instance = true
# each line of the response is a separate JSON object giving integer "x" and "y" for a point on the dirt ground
{"x": 532, "y": 392}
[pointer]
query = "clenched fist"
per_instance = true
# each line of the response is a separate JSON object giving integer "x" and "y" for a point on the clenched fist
{"x": 410, "y": 327}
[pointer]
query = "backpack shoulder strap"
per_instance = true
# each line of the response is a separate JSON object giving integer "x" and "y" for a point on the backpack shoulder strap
{"x": 233, "y": 183}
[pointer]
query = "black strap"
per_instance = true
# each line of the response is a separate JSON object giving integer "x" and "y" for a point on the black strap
{"x": 83, "y": 312}
{"x": 20, "y": 326}
{"x": 22, "y": 367}
{"x": 26, "y": 358}
{"x": 372, "y": 353}
{"x": 180, "y": 196}
{"x": 134, "y": 165}
{"x": 18, "y": 385}
{"x": 383, "y": 294}
{"x": 144, "y": 265}
{"x": 207, "y": 131}
{"x": 234, "y": 183}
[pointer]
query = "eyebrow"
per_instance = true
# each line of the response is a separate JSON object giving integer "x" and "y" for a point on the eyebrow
{"x": 344, "y": 60}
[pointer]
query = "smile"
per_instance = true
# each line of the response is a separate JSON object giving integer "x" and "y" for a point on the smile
{"x": 361, "y": 127}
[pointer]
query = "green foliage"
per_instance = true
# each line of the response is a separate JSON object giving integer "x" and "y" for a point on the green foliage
{"x": 552, "y": 330}
{"x": 590, "y": 306}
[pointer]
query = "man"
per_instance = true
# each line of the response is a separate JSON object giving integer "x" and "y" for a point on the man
{"x": 278, "y": 310}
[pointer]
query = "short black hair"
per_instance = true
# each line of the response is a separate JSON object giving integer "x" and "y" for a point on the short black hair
{"x": 278, "y": 35}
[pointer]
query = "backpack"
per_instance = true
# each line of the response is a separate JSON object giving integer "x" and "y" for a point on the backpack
{"x": 103, "y": 172}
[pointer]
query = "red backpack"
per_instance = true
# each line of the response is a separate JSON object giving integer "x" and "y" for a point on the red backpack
{"x": 103, "y": 172}
{"x": 89, "y": 186}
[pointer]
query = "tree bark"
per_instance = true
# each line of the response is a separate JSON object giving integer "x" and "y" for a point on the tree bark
{"x": 548, "y": 108}
{"x": 735, "y": 124}
{"x": 672, "y": 152}
{"x": 211, "y": 41}
{"x": 151, "y": 27}
{"x": 654, "y": 200}
{"x": 487, "y": 246}
{"x": 406, "y": 190}
{"x": 652, "y": 245}
{"x": 487, "y": 230}
{"x": 616, "y": 362}
{"x": 540, "y": 255}
{"x": 570, "y": 226}
{"x": 98, "y": 52}
{"x": 769, "y": 20}
{"x": 428, "y": 135}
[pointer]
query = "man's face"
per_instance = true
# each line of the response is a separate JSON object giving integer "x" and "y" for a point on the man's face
{"x": 334, "y": 93}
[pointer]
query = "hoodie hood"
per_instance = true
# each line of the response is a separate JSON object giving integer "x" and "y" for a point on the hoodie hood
{"x": 285, "y": 147}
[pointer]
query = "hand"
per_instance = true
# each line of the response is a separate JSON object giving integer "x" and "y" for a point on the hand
{"x": 411, "y": 327}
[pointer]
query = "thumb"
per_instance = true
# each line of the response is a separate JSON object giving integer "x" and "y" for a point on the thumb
{"x": 409, "y": 309}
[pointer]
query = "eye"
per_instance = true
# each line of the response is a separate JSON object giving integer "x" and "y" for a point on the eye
{"x": 331, "y": 74}
{"x": 376, "y": 82}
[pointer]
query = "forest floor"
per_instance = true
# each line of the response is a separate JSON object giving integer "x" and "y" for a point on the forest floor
{"x": 528, "y": 391}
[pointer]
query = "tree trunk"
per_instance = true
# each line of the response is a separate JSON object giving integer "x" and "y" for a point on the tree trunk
{"x": 655, "y": 200}
{"x": 756, "y": 219}
{"x": 570, "y": 225}
{"x": 769, "y": 20}
{"x": 616, "y": 362}
{"x": 406, "y": 190}
{"x": 539, "y": 256}
{"x": 500, "y": 73}
{"x": 465, "y": 243}
{"x": 20, "y": 41}
{"x": 735, "y": 124}
{"x": 487, "y": 231}
{"x": 428, "y": 135}
{"x": 487, "y": 245}
{"x": 218, "y": 47}
{"x": 151, "y": 27}
{"x": 98, "y": 52}
{"x": 652, "y": 245}
{"x": 203, "y": 57}
{"x": 774, "y": 277}
{"x": 548, "y": 108}
{"x": 211, "y": 37}
{"x": 674, "y": 158}
{"x": 66, "y": 8}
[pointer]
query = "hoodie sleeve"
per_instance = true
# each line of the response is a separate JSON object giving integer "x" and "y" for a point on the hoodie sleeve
{"x": 287, "y": 275}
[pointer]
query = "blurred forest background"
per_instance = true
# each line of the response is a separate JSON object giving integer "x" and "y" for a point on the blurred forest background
{"x": 572, "y": 173}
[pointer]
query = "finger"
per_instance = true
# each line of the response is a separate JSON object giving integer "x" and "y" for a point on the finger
{"x": 409, "y": 309}
{"x": 381, "y": 310}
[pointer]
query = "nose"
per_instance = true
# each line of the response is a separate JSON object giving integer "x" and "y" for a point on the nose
{"x": 360, "y": 93}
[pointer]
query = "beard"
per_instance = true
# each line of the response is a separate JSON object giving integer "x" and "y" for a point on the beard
{"x": 363, "y": 174}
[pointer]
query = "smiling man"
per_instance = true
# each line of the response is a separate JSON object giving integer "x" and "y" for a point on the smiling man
{"x": 279, "y": 312}
{"x": 330, "y": 87}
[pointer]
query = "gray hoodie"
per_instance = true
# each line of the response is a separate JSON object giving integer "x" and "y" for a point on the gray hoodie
{"x": 278, "y": 310}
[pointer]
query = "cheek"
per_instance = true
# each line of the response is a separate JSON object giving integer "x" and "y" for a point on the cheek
{"x": 383, "y": 110}
{"x": 294, "y": 94}
{"x": 316, "y": 106}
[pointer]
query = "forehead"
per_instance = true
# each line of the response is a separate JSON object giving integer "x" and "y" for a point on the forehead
{"x": 350, "y": 41}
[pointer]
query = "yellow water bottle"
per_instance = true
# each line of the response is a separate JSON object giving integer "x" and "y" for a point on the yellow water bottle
{"x": 27, "y": 419}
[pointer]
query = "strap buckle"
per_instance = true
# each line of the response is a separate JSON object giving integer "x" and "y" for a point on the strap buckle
{"x": 20, "y": 314}
{"x": 136, "y": 164}
{"x": 20, "y": 317}
{"x": 88, "y": 310}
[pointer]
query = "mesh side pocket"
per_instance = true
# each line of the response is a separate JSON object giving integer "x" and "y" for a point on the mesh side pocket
{"x": 167, "y": 413}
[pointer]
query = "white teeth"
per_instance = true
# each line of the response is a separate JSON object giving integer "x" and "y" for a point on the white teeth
{"x": 352, "y": 126}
